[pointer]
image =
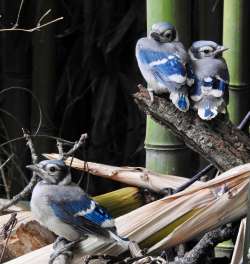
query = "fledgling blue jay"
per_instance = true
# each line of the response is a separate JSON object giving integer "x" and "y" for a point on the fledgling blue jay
{"x": 210, "y": 73}
{"x": 65, "y": 209}
{"x": 162, "y": 60}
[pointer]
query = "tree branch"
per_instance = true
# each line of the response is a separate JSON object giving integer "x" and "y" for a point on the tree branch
{"x": 218, "y": 141}
{"x": 207, "y": 243}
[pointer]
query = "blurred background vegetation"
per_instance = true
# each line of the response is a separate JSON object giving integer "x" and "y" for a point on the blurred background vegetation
{"x": 83, "y": 71}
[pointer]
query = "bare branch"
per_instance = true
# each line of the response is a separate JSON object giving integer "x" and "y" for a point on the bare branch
{"x": 28, "y": 189}
{"x": 6, "y": 186}
{"x": 32, "y": 29}
{"x": 38, "y": 25}
{"x": 207, "y": 243}
{"x": 18, "y": 15}
{"x": 23, "y": 194}
{"x": 76, "y": 146}
{"x": 9, "y": 158}
{"x": 42, "y": 17}
{"x": 6, "y": 232}
{"x": 60, "y": 148}
{"x": 31, "y": 147}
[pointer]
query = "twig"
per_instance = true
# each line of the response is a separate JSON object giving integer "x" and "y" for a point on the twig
{"x": 207, "y": 243}
{"x": 38, "y": 25}
{"x": 60, "y": 148}
{"x": 42, "y": 17}
{"x": 195, "y": 178}
{"x": 76, "y": 146}
{"x": 34, "y": 157}
{"x": 6, "y": 186}
{"x": 36, "y": 136}
{"x": 28, "y": 189}
{"x": 23, "y": 194}
{"x": 18, "y": 15}
{"x": 32, "y": 29}
{"x": 6, "y": 232}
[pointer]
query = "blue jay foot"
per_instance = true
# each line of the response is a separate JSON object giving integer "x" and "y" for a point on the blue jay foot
{"x": 148, "y": 93}
{"x": 62, "y": 247}
{"x": 59, "y": 240}
{"x": 56, "y": 254}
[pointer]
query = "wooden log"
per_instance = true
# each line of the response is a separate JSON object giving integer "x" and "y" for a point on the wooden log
{"x": 135, "y": 176}
{"x": 218, "y": 140}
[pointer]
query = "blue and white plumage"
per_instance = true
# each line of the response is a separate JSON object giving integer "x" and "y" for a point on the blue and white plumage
{"x": 162, "y": 60}
{"x": 210, "y": 73}
{"x": 65, "y": 208}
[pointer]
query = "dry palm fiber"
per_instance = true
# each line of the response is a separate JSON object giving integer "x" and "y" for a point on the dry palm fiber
{"x": 177, "y": 218}
{"x": 182, "y": 216}
{"x": 189, "y": 213}
{"x": 135, "y": 176}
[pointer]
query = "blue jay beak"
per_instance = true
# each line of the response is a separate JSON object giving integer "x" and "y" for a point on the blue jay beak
{"x": 41, "y": 173}
{"x": 220, "y": 49}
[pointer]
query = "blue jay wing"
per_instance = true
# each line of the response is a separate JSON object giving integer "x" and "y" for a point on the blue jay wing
{"x": 222, "y": 86}
{"x": 166, "y": 67}
{"x": 85, "y": 215}
{"x": 196, "y": 93}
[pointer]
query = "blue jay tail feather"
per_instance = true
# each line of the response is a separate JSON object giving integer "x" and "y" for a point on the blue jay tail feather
{"x": 180, "y": 100}
{"x": 123, "y": 242}
{"x": 207, "y": 113}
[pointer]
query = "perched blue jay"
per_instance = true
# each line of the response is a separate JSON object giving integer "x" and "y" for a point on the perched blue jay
{"x": 210, "y": 74}
{"x": 162, "y": 60}
{"x": 65, "y": 208}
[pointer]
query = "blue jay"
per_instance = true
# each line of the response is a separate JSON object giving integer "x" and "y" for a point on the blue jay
{"x": 65, "y": 209}
{"x": 162, "y": 60}
{"x": 210, "y": 74}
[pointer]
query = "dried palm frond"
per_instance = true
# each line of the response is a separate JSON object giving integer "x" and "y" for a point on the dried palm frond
{"x": 174, "y": 219}
{"x": 136, "y": 176}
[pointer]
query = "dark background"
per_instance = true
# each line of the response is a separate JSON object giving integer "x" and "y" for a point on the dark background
{"x": 83, "y": 71}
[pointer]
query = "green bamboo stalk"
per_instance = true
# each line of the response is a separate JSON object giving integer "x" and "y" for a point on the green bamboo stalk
{"x": 236, "y": 37}
{"x": 164, "y": 153}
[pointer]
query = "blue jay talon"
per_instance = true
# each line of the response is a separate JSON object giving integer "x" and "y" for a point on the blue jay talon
{"x": 59, "y": 240}
{"x": 62, "y": 247}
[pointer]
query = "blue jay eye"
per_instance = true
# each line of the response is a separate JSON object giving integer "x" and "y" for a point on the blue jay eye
{"x": 52, "y": 169}
{"x": 168, "y": 34}
{"x": 206, "y": 51}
